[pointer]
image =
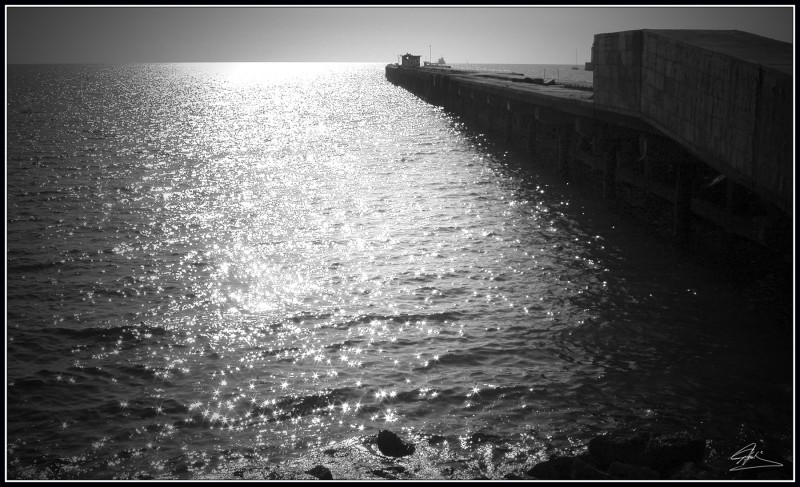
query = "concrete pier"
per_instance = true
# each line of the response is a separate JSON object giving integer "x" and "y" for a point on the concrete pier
{"x": 700, "y": 119}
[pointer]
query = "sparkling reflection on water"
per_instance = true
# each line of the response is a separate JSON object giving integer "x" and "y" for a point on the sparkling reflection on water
{"x": 210, "y": 261}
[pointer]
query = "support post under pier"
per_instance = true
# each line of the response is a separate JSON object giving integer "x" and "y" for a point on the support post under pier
{"x": 610, "y": 174}
{"x": 534, "y": 137}
{"x": 647, "y": 164}
{"x": 565, "y": 136}
{"x": 509, "y": 123}
{"x": 683, "y": 202}
{"x": 608, "y": 148}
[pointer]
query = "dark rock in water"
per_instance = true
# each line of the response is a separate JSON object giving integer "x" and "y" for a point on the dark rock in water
{"x": 626, "y": 471}
{"x": 605, "y": 450}
{"x": 321, "y": 472}
{"x": 389, "y": 472}
{"x": 558, "y": 468}
{"x": 583, "y": 471}
{"x": 436, "y": 440}
{"x": 664, "y": 454}
{"x": 667, "y": 453}
{"x": 273, "y": 475}
{"x": 688, "y": 471}
{"x": 330, "y": 451}
{"x": 383, "y": 474}
{"x": 391, "y": 445}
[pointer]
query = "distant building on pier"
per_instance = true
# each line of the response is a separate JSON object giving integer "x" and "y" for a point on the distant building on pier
{"x": 410, "y": 61}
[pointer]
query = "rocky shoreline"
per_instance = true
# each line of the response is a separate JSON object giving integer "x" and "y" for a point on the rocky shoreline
{"x": 616, "y": 456}
{"x": 386, "y": 455}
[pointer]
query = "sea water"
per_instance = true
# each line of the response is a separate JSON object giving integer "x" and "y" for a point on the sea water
{"x": 218, "y": 264}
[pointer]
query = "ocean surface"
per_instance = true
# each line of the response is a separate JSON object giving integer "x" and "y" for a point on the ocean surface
{"x": 215, "y": 266}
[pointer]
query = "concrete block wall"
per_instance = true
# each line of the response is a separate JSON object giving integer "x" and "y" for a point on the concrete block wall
{"x": 775, "y": 134}
{"x": 617, "y": 70}
{"x": 734, "y": 113}
{"x": 704, "y": 98}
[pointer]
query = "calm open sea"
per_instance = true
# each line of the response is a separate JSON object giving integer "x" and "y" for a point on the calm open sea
{"x": 222, "y": 264}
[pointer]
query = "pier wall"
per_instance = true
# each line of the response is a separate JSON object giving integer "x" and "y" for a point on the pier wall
{"x": 633, "y": 134}
{"x": 714, "y": 93}
{"x": 618, "y": 71}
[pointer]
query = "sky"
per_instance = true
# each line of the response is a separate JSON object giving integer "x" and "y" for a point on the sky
{"x": 502, "y": 35}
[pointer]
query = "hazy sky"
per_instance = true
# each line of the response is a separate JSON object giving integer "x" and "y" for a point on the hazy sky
{"x": 538, "y": 35}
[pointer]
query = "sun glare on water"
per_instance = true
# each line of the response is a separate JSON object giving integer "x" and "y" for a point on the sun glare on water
{"x": 254, "y": 72}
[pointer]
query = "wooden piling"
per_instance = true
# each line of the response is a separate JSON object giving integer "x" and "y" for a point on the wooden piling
{"x": 609, "y": 171}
